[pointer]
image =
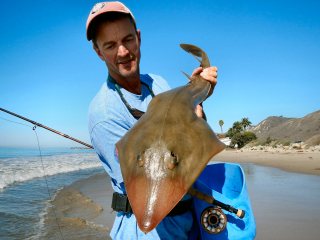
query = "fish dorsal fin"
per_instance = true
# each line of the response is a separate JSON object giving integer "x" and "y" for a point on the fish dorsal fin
{"x": 187, "y": 75}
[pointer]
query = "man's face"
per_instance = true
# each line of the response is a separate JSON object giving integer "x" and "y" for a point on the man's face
{"x": 118, "y": 45}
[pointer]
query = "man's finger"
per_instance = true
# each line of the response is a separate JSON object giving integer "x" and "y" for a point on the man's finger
{"x": 197, "y": 71}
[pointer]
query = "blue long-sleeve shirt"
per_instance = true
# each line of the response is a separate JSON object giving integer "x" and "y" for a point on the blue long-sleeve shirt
{"x": 109, "y": 120}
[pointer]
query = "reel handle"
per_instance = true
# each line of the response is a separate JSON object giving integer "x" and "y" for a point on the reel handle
{"x": 211, "y": 200}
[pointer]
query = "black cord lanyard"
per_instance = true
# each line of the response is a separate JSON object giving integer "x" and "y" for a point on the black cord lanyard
{"x": 136, "y": 113}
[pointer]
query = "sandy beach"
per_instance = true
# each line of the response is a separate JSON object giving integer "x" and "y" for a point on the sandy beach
{"x": 294, "y": 160}
{"x": 83, "y": 209}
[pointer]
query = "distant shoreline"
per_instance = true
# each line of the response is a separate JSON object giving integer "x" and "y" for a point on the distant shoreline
{"x": 292, "y": 161}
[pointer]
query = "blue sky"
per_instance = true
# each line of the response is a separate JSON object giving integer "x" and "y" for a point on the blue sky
{"x": 267, "y": 52}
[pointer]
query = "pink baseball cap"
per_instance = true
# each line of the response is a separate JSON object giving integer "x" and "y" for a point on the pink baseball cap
{"x": 105, "y": 7}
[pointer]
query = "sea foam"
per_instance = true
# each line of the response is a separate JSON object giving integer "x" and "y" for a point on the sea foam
{"x": 21, "y": 169}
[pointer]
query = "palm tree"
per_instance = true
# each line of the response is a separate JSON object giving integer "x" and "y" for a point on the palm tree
{"x": 221, "y": 122}
{"x": 245, "y": 122}
{"x": 237, "y": 126}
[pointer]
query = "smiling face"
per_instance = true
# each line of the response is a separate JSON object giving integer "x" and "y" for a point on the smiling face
{"x": 117, "y": 43}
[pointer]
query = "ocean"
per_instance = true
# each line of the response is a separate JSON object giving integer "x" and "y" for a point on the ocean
{"x": 29, "y": 181}
{"x": 285, "y": 204}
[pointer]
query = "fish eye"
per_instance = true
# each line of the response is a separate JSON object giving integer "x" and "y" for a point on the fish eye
{"x": 140, "y": 160}
{"x": 174, "y": 157}
{"x": 173, "y": 162}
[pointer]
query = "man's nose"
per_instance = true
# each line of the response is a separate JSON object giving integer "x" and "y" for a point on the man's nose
{"x": 122, "y": 51}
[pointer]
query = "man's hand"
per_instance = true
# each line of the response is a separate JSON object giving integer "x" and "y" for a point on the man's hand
{"x": 199, "y": 112}
{"x": 210, "y": 74}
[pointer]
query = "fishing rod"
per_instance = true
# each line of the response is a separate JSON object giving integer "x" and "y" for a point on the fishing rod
{"x": 240, "y": 213}
{"x": 45, "y": 127}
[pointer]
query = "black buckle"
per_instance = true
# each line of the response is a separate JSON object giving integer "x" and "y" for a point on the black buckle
{"x": 120, "y": 203}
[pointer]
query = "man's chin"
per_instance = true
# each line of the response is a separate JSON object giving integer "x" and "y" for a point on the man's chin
{"x": 129, "y": 73}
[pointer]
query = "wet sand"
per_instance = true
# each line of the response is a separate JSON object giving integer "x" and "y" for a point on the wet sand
{"x": 81, "y": 210}
{"x": 285, "y": 204}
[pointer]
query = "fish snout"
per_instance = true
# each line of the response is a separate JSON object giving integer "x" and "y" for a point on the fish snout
{"x": 170, "y": 159}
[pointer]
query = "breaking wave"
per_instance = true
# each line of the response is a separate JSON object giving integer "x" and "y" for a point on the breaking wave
{"x": 21, "y": 169}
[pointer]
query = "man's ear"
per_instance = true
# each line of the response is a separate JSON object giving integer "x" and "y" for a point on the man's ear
{"x": 139, "y": 35}
{"x": 97, "y": 50}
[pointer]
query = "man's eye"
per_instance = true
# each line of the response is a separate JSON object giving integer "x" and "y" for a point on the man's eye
{"x": 110, "y": 46}
{"x": 129, "y": 39}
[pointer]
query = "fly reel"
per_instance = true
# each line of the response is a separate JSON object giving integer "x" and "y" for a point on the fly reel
{"x": 213, "y": 220}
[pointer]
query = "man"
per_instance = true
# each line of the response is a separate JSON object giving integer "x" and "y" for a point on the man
{"x": 118, "y": 105}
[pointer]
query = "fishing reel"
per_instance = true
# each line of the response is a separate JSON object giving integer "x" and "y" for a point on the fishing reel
{"x": 213, "y": 220}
